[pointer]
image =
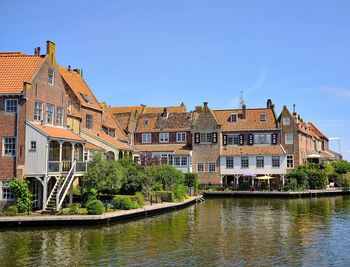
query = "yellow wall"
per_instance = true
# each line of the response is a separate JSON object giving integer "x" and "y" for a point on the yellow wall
{"x": 74, "y": 124}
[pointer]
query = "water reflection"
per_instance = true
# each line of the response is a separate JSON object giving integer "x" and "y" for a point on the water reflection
{"x": 221, "y": 232}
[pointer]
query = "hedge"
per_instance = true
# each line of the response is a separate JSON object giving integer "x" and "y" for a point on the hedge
{"x": 95, "y": 207}
{"x": 124, "y": 202}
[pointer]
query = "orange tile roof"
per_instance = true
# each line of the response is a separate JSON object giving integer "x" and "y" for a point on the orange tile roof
{"x": 253, "y": 150}
{"x": 252, "y": 121}
{"x": 57, "y": 132}
{"x": 316, "y": 131}
{"x": 132, "y": 109}
{"x": 90, "y": 146}
{"x": 147, "y": 110}
{"x": 109, "y": 121}
{"x": 108, "y": 139}
{"x": 178, "y": 149}
{"x": 80, "y": 88}
{"x": 123, "y": 120}
{"x": 15, "y": 69}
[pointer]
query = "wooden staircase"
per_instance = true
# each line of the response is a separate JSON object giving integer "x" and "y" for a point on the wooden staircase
{"x": 51, "y": 203}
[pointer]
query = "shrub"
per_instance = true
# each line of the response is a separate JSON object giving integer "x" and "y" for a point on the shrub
{"x": 191, "y": 180}
{"x": 341, "y": 166}
{"x": 317, "y": 179}
{"x": 95, "y": 207}
{"x": 88, "y": 195}
{"x": 125, "y": 203}
{"x": 180, "y": 192}
{"x": 22, "y": 194}
{"x": 73, "y": 209}
{"x": 11, "y": 210}
{"x": 165, "y": 176}
{"x": 297, "y": 180}
{"x": 344, "y": 180}
{"x": 140, "y": 198}
{"x": 166, "y": 196}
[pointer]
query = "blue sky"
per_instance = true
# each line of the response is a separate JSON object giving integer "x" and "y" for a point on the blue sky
{"x": 165, "y": 52}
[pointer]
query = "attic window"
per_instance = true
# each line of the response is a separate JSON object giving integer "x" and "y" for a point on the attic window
{"x": 86, "y": 98}
{"x": 51, "y": 76}
{"x": 233, "y": 117}
{"x": 145, "y": 122}
{"x": 263, "y": 117}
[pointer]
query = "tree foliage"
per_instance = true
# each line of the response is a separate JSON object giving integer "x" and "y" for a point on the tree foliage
{"x": 165, "y": 177}
{"x": 341, "y": 166}
{"x": 23, "y": 197}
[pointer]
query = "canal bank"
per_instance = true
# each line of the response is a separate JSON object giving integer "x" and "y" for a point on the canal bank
{"x": 279, "y": 194}
{"x": 59, "y": 220}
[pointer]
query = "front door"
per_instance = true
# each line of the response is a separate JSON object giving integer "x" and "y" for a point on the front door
{"x": 36, "y": 194}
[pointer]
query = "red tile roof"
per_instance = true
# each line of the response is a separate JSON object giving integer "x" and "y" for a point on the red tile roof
{"x": 57, "y": 132}
{"x": 90, "y": 146}
{"x": 178, "y": 149}
{"x": 15, "y": 69}
{"x": 253, "y": 150}
{"x": 146, "y": 109}
{"x": 109, "y": 121}
{"x": 80, "y": 88}
{"x": 109, "y": 139}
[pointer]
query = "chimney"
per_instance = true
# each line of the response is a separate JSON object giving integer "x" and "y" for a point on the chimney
{"x": 77, "y": 71}
{"x": 198, "y": 109}
{"x": 38, "y": 49}
{"x": 165, "y": 113}
{"x": 244, "y": 111}
{"x": 50, "y": 52}
{"x": 205, "y": 107}
{"x": 269, "y": 103}
{"x": 35, "y": 51}
{"x": 69, "y": 68}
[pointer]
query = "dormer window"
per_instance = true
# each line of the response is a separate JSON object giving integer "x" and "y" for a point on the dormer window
{"x": 86, "y": 98}
{"x": 263, "y": 117}
{"x": 145, "y": 122}
{"x": 233, "y": 117}
{"x": 51, "y": 77}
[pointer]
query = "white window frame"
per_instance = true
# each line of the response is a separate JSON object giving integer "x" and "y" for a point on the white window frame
{"x": 210, "y": 166}
{"x": 262, "y": 139}
{"x": 290, "y": 166}
{"x": 286, "y": 120}
{"x": 233, "y": 163}
{"x": 32, "y": 145}
{"x": 233, "y": 115}
{"x": 272, "y": 161}
{"x": 182, "y": 161}
{"x": 203, "y": 167}
{"x": 5, "y": 186}
{"x": 244, "y": 167}
{"x": 287, "y": 141}
{"x": 260, "y": 159}
{"x": 52, "y": 114}
{"x": 51, "y": 76}
{"x": 263, "y": 117}
{"x": 181, "y": 137}
{"x": 89, "y": 125}
{"x": 59, "y": 117}
{"x": 234, "y": 138}
{"x": 146, "y": 138}
{"x": 163, "y": 137}
{"x": 4, "y": 143}
{"x": 7, "y": 105}
{"x": 41, "y": 111}
{"x": 206, "y": 138}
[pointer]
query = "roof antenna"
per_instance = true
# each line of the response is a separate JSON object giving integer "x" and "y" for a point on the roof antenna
{"x": 241, "y": 100}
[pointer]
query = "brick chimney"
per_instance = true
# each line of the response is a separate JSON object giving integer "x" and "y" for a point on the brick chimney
{"x": 244, "y": 111}
{"x": 50, "y": 52}
{"x": 269, "y": 103}
{"x": 205, "y": 107}
{"x": 165, "y": 113}
{"x": 198, "y": 109}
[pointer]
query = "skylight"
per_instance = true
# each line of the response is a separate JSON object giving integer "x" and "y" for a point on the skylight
{"x": 86, "y": 98}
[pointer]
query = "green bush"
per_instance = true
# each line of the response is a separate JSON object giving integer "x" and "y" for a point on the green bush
{"x": 73, "y": 209}
{"x": 341, "y": 166}
{"x": 95, "y": 207}
{"x": 11, "y": 210}
{"x": 166, "y": 196}
{"x": 317, "y": 179}
{"x": 344, "y": 180}
{"x": 140, "y": 198}
{"x": 297, "y": 180}
{"x": 125, "y": 202}
{"x": 23, "y": 197}
{"x": 88, "y": 195}
{"x": 191, "y": 180}
{"x": 180, "y": 192}
{"x": 165, "y": 177}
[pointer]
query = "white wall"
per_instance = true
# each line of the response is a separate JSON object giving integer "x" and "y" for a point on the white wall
{"x": 35, "y": 161}
{"x": 268, "y": 169}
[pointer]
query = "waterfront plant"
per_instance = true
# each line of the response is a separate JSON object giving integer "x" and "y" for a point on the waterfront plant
{"x": 165, "y": 177}
{"x": 180, "y": 192}
{"x": 191, "y": 180}
{"x": 73, "y": 208}
{"x": 166, "y": 196}
{"x": 23, "y": 197}
{"x": 125, "y": 202}
{"x": 95, "y": 207}
{"x": 341, "y": 166}
{"x": 11, "y": 210}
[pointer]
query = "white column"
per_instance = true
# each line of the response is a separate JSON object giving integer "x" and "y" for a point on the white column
{"x": 45, "y": 189}
{"x": 73, "y": 149}
{"x": 283, "y": 180}
{"x": 60, "y": 157}
{"x": 71, "y": 194}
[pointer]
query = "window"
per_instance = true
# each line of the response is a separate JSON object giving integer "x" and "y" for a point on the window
{"x": 181, "y": 137}
{"x": 59, "y": 116}
{"x": 184, "y": 161}
{"x": 261, "y": 139}
{"x": 233, "y": 117}
{"x": 260, "y": 162}
{"x": 244, "y": 162}
{"x": 145, "y": 122}
{"x": 146, "y": 138}
{"x": 233, "y": 139}
{"x": 86, "y": 98}
{"x": 9, "y": 146}
{"x": 177, "y": 161}
{"x": 263, "y": 117}
{"x": 290, "y": 161}
{"x": 229, "y": 162}
{"x": 289, "y": 139}
{"x": 38, "y": 111}
{"x": 200, "y": 167}
{"x": 286, "y": 120}
{"x": 11, "y": 105}
{"x": 275, "y": 161}
{"x": 6, "y": 191}
{"x": 206, "y": 138}
{"x": 49, "y": 114}
{"x": 89, "y": 121}
{"x": 211, "y": 166}
{"x": 33, "y": 145}
{"x": 111, "y": 132}
{"x": 51, "y": 76}
{"x": 164, "y": 138}
{"x": 180, "y": 161}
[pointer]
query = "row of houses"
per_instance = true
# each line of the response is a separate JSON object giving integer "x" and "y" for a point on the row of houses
{"x": 52, "y": 124}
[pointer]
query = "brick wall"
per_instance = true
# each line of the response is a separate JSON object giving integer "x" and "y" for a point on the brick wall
{"x": 155, "y": 138}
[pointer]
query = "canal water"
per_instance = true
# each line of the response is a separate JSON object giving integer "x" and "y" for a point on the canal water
{"x": 217, "y": 232}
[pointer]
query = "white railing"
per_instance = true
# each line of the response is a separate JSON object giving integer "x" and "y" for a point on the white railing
{"x": 65, "y": 187}
{"x": 50, "y": 196}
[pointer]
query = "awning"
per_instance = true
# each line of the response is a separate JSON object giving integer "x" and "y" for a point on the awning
{"x": 313, "y": 156}
{"x": 248, "y": 174}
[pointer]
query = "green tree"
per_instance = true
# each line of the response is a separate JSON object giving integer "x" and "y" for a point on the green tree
{"x": 23, "y": 197}
{"x": 341, "y": 166}
{"x": 165, "y": 176}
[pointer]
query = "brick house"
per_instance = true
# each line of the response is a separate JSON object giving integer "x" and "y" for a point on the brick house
{"x": 237, "y": 146}
{"x": 35, "y": 142}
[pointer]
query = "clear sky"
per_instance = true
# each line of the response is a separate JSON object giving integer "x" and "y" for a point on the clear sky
{"x": 160, "y": 52}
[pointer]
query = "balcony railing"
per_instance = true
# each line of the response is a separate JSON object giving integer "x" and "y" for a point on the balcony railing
{"x": 65, "y": 166}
